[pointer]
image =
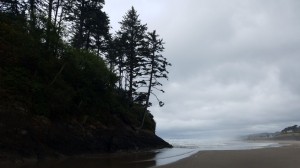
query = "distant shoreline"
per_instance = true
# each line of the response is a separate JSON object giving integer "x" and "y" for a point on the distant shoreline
{"x": 279, "y": 157}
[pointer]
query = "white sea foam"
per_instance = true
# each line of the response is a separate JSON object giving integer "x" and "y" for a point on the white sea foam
{"x": 217, "y": 144}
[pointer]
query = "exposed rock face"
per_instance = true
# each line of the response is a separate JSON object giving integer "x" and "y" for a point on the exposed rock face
{"x": 102, "y": 140}
{"x": 54, "y": 139}
{"x": 24, "y": 135}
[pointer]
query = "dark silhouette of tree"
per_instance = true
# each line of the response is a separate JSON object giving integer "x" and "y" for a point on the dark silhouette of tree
{"x": 132, "y": 39}
{"x": 52, "y": 61}
{"x": 49, "y": 22}
{"x": 90, "y": 24}
{"x": 115, "y": 58}
{"x": 14, "y": 7}
{"x": 291, "y": 128}
{"x": 155, "y": 69}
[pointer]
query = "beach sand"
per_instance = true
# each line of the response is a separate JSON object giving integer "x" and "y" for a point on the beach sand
{"x": 287, "y": 156}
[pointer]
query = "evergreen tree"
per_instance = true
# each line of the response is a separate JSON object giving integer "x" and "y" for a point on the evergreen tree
{"x": 132, "y": 40}
{"x": 90, "y": 24}
{"x": 115, "y": 59}
{"x": 49, "y": 77}
{"x": 14, "y": 7}
{"x": 155, "y": 68}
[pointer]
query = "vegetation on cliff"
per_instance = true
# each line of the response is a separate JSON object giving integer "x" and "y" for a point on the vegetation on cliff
{"x": 68, "y": 85}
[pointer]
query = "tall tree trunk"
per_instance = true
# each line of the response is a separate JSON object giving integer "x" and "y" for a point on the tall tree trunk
{"x": 56, "y": 12}
{"x": 49, "y": 19}
{"x": 58, "y": 29}
{"x": 81, "y": 20}
{"x": 60, "y": 20}
{"x": 98, "y": 46}
{"x": 149, "y": 91}
{"x": 131, "y": 69}
{"x": 57, "y": 74}
{"x": 131, "y": 83}
{"x": 87, "y": 45}
{"x": 32, "y": 15}
{"x": 14, "y": 7}
{"x": 120, "y": 74}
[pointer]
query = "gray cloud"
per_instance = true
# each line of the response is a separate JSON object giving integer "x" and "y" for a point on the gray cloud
{"x": 235, "y": 63}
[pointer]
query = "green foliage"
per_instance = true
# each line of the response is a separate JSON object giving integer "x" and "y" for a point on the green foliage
{"x": 91, "y": 24}
{"x": 42, "y": 75}
{"x": 137, "y": 58}
{"x": 131, "y": 44}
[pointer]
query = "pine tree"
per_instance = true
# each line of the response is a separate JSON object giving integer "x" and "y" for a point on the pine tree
{"x": 90, "y": 25}
{"x": 13, "y": 7}
{"x": 154, "y": 69}
{"x": 115, "y": 59}
{"x": 132, "y": 39}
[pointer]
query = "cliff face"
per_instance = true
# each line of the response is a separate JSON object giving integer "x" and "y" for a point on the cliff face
{"x": 25, "y": 134}
{"x": 39, "y": 137}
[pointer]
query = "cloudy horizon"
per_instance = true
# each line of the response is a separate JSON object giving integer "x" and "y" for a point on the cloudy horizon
{"x": 235, "y": 64}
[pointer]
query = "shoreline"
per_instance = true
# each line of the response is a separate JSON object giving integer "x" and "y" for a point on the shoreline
{"x": 168, "y": 158}
{"x": 286, "y": 156}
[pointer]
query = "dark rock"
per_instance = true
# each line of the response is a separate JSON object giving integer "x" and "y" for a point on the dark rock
{"x": 56, "y": 139}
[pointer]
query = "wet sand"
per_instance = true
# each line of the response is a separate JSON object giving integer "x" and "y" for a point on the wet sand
{"x": 282, "y": 157}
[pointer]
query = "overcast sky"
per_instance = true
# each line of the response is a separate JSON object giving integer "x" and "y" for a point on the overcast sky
{"x": 235, "y": 63}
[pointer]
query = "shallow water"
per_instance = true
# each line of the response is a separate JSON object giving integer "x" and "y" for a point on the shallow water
{"x": 220, "y": 144}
